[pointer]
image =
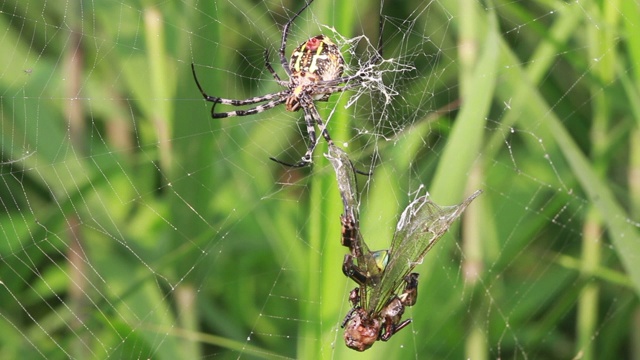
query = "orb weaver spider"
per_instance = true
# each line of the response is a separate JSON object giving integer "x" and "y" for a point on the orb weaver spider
{"x": 315, "y": 72}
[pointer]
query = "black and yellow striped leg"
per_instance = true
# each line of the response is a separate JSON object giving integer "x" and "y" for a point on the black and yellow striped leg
{"x": 311, "y": 118}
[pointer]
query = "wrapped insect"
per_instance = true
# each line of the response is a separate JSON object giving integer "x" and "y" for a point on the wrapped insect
{"x": 377, "y": 308}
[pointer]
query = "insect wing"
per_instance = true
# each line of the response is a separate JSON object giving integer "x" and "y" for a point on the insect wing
{"x": 370, "y": 263}
{"x": 420, "y": 226}
{"x": 346, "y": 177}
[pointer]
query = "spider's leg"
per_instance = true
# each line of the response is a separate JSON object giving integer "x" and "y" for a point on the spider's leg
{"x": 309, "y": 110}
{"x": 322, "y": 89}
{"x": 267, "y": 64}
{"x": 379, "y": 57}
{"x": 350, "y": 270}
{"x": 323, "y": 129}
{"x": 212, "y": 99}
{"x": 325, "y": 133}
{"x": 280, "y": 97}
{"x": 235, "y": 102}
{"x": 256, "y": 110}
{"x": 391, "y": 329}
{"x": 253, "y": 100}
{"x": 314, "y": 117}
{"x": 333, "y": 86}
{"x": 285, "y": 34}
{"x": 311, "y": 118}
{"x": 351, "y": 79}
{"x": 296, "y": 165}
{"x": 348, "y": 317}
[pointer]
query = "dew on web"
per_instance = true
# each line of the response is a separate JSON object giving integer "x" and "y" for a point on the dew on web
{"x": 133, "y": 225}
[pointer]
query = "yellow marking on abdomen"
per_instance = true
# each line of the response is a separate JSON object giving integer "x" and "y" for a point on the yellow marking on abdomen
{"x": 314, "y": 67}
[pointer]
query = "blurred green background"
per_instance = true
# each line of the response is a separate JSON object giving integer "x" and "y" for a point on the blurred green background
{"x": 132, "y": 225}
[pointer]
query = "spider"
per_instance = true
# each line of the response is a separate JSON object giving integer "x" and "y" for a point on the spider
{"x": 315, "y": 72}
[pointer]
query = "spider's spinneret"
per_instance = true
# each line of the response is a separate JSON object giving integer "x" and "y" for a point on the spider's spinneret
{"x": 317, "y": 59}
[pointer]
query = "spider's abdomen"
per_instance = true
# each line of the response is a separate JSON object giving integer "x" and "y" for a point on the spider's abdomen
{"x": 318, "y": 56}
{"x": 317, "y": 59}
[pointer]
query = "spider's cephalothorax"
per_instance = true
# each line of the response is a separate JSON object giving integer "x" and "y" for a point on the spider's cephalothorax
{"x": 314, "y": 71}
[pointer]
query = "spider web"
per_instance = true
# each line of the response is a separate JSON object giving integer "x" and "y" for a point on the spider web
{"x": 132, "y": 225}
